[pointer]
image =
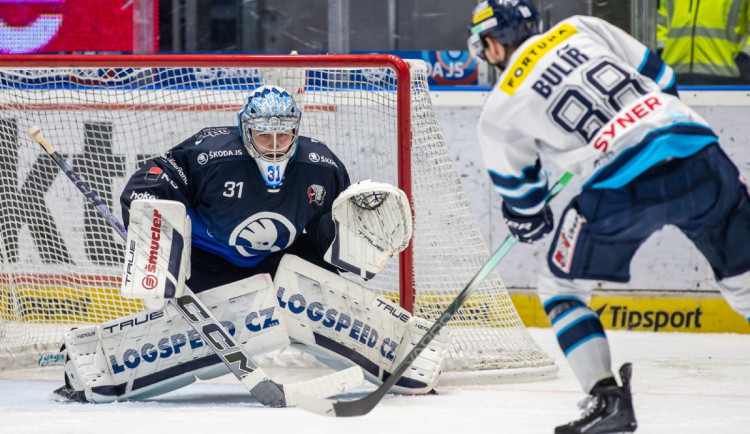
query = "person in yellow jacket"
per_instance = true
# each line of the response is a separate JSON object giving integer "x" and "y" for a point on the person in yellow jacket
{"x": 701, "y": 40}
{"x": 743, "y": 62}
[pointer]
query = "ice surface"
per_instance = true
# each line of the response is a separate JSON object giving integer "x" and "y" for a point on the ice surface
{"x": 683, "y": 383}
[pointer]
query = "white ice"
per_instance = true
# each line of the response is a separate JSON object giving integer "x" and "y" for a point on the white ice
{"x": 683, "y": 383}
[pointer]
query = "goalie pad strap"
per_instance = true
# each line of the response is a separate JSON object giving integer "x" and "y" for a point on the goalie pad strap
{"x": 366, "y": 364}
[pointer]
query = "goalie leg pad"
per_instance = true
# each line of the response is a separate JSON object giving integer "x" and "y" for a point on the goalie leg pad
{"x": 154, "y": 352}
{"x": 86, "y": 370}
{"x": 426, "y": 368}
{"x": 343, "y": 324}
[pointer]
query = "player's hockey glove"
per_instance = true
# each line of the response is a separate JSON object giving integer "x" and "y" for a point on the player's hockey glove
{"x": 529, "y": 228}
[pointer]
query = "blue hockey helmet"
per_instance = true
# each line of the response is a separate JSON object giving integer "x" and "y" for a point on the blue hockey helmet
{"x": 509, "y": 22}
{"x": 269, "y": 113}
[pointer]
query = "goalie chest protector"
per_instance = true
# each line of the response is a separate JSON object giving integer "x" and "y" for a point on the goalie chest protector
{"x": 233, "y": 213}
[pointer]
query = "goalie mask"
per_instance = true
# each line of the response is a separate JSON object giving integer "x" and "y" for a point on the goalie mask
{"x": 269, "y": 125}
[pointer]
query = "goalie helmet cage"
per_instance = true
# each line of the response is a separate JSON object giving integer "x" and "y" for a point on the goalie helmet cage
{"x": 108, "y": 114}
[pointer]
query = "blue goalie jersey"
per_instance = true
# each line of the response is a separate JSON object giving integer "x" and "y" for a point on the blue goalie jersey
{"x": 233, "y": 213}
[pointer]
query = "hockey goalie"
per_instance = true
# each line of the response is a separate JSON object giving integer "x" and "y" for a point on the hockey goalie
{"x": 263, "y": 225}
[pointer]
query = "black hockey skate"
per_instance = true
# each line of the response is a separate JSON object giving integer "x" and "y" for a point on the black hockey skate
{"x": 609, "y": 408}
{"x": 66, "y": 392}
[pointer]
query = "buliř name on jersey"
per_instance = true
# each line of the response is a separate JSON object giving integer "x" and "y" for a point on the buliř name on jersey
{"x": 520, "y": 69}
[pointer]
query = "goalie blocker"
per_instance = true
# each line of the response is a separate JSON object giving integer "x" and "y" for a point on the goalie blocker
{"x": 157, "y": 259}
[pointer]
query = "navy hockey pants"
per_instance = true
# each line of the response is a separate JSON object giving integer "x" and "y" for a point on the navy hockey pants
{"x": 703, "y": 195}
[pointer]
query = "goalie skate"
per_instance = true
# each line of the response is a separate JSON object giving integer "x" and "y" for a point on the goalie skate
{"x": 66, "y": 392}
{"x": 609, "y": 409}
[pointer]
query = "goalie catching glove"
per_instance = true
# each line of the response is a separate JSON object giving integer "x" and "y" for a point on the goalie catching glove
{"x": 373, "y": 222}
{"x": 157, "y": 260}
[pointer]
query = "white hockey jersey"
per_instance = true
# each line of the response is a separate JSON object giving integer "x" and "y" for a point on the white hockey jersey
{"x": 592, "y": 99}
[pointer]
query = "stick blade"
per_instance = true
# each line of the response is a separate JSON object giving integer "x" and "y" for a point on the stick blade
{"x": 269, "y": 393}
{"x": 314, "y": 404}
{"x": 335, "y": 408}
{"x": 328, "y": 385}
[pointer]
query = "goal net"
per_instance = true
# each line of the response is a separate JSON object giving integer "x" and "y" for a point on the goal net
{"x": 107, "y": 115}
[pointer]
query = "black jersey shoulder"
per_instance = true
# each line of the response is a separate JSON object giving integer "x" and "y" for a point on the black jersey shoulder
{"x": 212, "y": 144}
{"x": 214, "y": 138}
{"x": 316, "y": 153}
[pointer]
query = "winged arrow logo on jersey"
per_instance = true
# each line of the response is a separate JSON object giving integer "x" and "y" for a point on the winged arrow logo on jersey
{"x": 261, "y": 233}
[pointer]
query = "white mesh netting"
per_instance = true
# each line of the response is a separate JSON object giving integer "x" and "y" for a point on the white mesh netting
{"x": 61, "y": 260}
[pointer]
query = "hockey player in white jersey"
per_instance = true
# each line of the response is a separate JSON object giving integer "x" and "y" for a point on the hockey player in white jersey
{"x": 591, "y": 99}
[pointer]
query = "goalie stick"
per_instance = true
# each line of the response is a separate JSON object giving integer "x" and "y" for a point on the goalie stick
{"x": 260, "y": 385}
{"x": 359, "y": 407}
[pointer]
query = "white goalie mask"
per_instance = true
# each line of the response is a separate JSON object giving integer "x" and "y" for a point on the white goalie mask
{"x": 269, "y": 125}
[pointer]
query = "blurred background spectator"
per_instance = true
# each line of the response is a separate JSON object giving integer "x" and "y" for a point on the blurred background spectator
{"x": 743, "y": 62}
{"x": 180, "y": 26}
{"x": 703, "y": 41}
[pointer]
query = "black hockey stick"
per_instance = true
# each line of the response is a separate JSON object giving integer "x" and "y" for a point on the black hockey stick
{"x": 239, "y": 362}
{"x": 358, "y": 407}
